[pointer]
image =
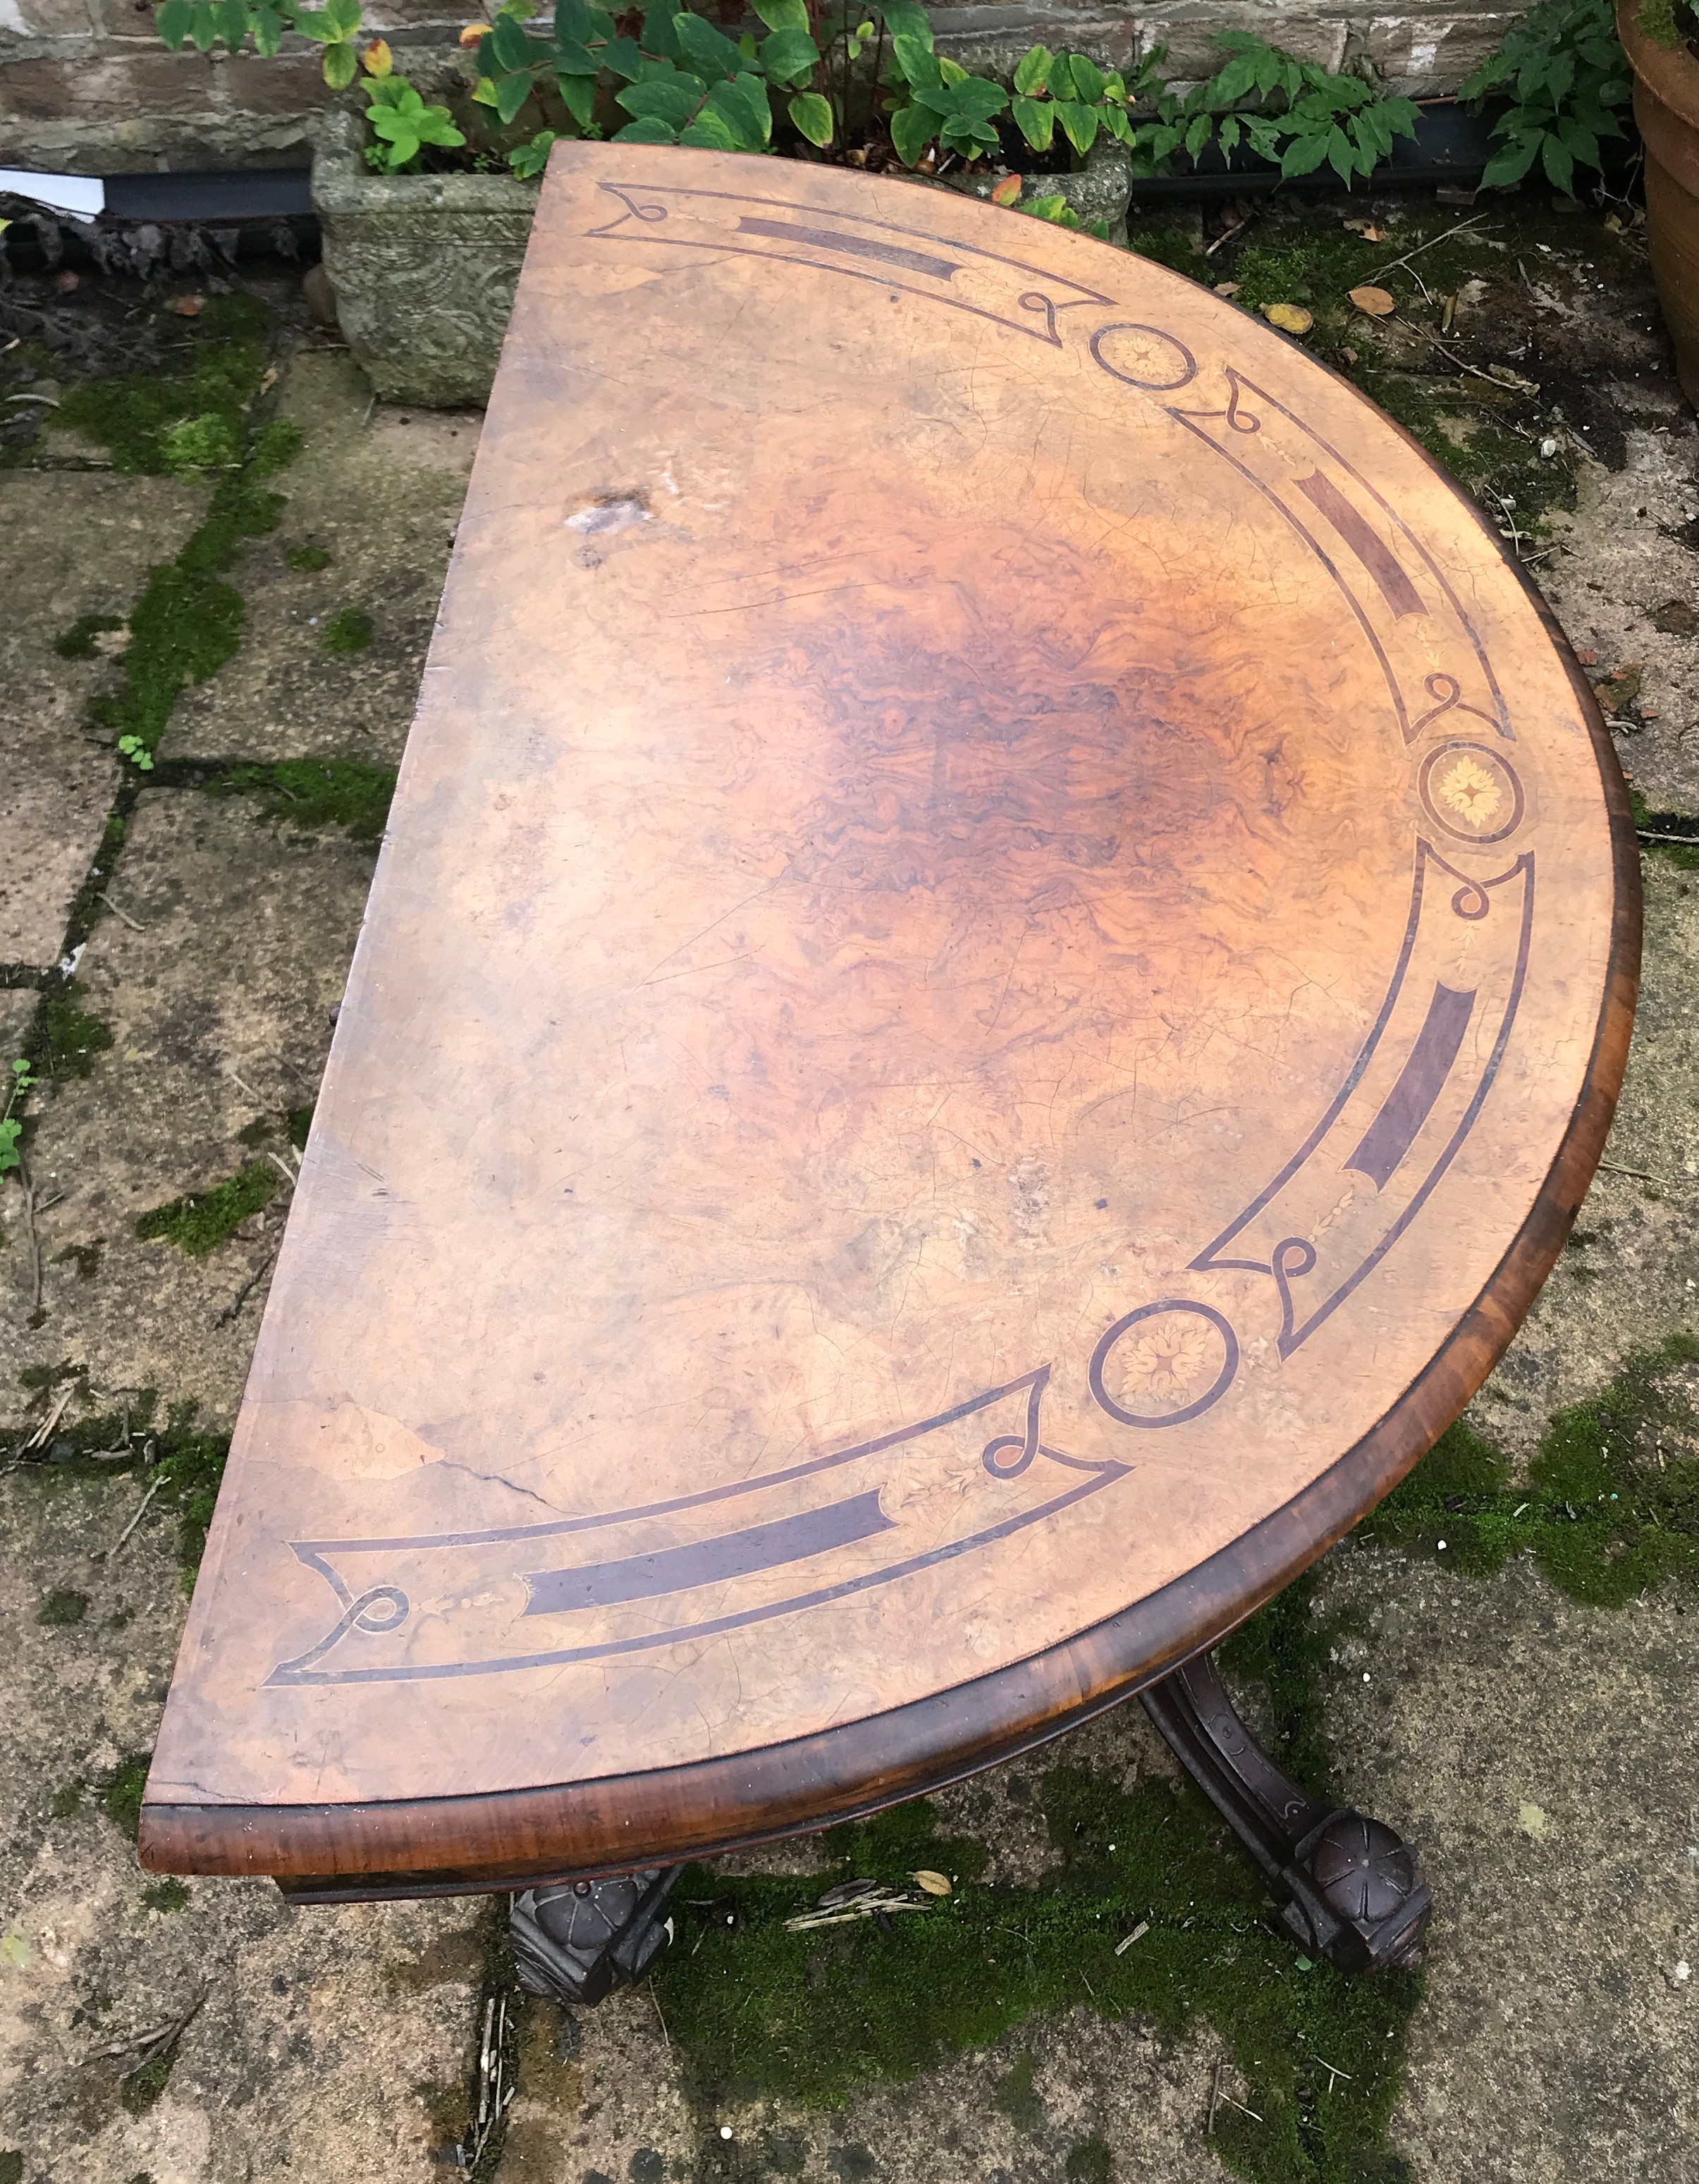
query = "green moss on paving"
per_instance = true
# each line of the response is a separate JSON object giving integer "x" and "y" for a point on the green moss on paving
{"x": 1176, "y": 247}
{"x": 120, "y": 1793}
{"x": 311, "y": 792}
{"x": 190, "y": 415}
{"x": 815, "y": 2016}
{"x": 349, "y": 630}
{"x": 142, "y": 2087}
{"x": 307, "y": 560}
{"x": 186, "y": 1464}
{"x": 1683, "y": 856}
{"x": 1611, "y": 1505}
{"x": 62, "y": 1607}
{"x": 67, "y": 1802}
{"x": 199, "y": 1223}
{"x": 71, "y": 1035}
{"x": 77, "y": 642}
{"x": 1089, "y": 2162}
{"x": 167, "y": 1895}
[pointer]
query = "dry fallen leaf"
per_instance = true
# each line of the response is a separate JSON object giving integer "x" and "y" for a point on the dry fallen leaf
{"x": 268, "y": 379}
{"x": 935, "y": 1883}
{"x": 1368, "y": 229}
{"x": 1290, "y": 318}
{"x": 1007, "y": 191}
{"x": 1376, "y": 302}
{"x": 1227, "y": 287}
{"x": 186, "y": 307}
{"x": 1348, "y": 356}
{"x": 475, "y": 34}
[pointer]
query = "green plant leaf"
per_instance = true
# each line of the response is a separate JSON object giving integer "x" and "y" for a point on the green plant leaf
{"x": 341, "y": 65}
{"x": 1581, "y": 141}
{"x": 511, "y": 93}
{"x": 811, "y": 116}
{"x": 711, "y": 132}
{"x": 709, "y": 53}
{"x": 174, "y": 22}
{"x": 788, "y": 56}
{"x": 1559, "y": 162}
{"x": 1088, "y": 79}
{"x": 743, "y": 106}
{"x": 624, "y": 57}
{"x": 204, "y": 27}
{"x": 342, "y": 17}
{"x": 1036, "y": 119}
{"x": 1198, "y": 133}
{"x": 578, "y": 96}
{"x": 650, "y": 129}
{"x": 1079, "y": 123}
{"x": 1033, "y": 72}
{"x": 783, "y": 14}
{"x": 1303, "y": 155}
{"x": 268, "y": 30}
{"x": 917, "y": 62}
{"x": 1508, "y": 166}
{"x": 912, "y": 129}
{"x": 508, "y": 45}
{"x": 673, "y": 99}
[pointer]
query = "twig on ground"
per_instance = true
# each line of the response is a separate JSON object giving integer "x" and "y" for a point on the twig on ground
{"x": 29, "y": 1191}
{"x": 1214, "y": 2101}
{"x": 150, "y": 2043}
{"x": 112, "y": 1551}
{"x": 659, "y": 2018}
{"x": 1241, "y": 2106}
{"x": 1640, "y": 1175}
{"x": 39, "y": 1438}
{"x": 1474, "y": 220}
{"x": 1645, "y": 834}
{"x": 1137, "y": 1935}
{"x": 291, "y": 1176}
{"x": 117, "y": 909}
{"x": 248, "y": 1287}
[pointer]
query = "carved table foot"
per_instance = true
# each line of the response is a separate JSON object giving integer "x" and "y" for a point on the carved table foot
{"x": 580, "y": 1940}
{"x": 1349, "y": 1886}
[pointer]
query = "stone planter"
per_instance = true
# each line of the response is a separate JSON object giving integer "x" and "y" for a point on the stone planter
{"x": 1666, "y": 108}
{"x": 424, "y": 267}
{"x": 1099, "y": 191}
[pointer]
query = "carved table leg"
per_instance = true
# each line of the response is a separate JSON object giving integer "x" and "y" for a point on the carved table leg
{"x": 582, "y": 1939}
{"x": 1350, "y": 1887}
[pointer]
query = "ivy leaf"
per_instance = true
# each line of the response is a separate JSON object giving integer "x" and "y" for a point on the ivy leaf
{"x": 1036, "y": 119}
{"x": 912, "y": 129}
{"x": 1035, "y": 70}
{"x": 811, "y": 117}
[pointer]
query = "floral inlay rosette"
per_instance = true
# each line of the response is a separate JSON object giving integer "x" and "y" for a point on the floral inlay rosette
{"x": 1470, "y": 792}
{"x": 1164, "y": 1363}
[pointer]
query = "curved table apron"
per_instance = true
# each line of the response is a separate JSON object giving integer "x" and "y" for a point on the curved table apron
{"x": 1003, "y": 952}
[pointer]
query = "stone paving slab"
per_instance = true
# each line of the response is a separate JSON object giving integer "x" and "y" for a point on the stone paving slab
{"x": 71, "y": 544}
{"x": 219, "y": 1014}
{"x": 380, "y": 492}
{"x": 328, "y": 2044}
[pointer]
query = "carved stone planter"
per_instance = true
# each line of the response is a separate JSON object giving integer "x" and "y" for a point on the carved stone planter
{"x": 424, "y": 267}
{"x": 1665, "y": 107}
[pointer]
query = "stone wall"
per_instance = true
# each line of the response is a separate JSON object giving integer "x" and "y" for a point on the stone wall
{"x": 86, "y": 87}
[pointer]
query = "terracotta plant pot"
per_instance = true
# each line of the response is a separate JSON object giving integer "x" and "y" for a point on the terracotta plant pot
{"x": 1665, "y": 107}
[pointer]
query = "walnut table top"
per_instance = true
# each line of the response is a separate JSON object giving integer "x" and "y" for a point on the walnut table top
{"x": 1003, "y": 952}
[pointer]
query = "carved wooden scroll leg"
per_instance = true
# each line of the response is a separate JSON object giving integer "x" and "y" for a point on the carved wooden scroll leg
{"x": 581, "y": 1939}
{"x": 1350, "y": 1887}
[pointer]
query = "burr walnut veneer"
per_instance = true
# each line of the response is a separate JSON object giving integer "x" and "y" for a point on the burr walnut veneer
{"x": 1003, "y": 952}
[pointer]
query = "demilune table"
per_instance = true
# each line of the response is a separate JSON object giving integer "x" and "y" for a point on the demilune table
{"x": 1003, "y": 953}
